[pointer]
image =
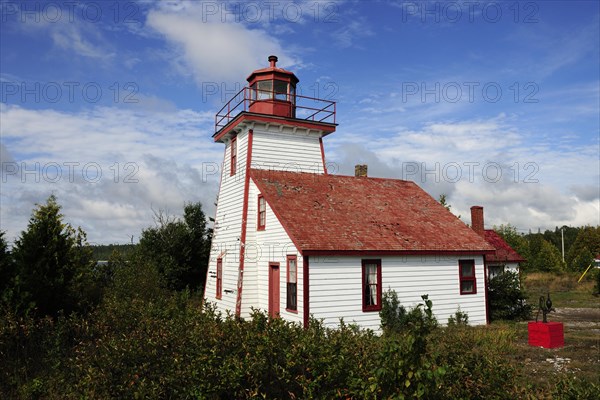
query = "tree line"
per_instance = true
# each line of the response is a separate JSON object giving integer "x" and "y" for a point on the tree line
{"x": 543, "y": 251}
{"x": 51, "y": 269}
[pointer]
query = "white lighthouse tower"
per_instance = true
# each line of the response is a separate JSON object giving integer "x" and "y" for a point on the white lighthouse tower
{"x": 266, "y": 126}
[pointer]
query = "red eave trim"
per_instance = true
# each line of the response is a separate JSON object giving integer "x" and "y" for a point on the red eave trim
{"x": 238, "y": 303}
{"x": 363, "y": 253}
{"x": 305, "y": 291}
{"x": 325, "y": 127}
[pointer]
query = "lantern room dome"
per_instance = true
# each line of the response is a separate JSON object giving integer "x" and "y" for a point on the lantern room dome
{"x": 271, "y": 72}
{"x": 273, "y": 90}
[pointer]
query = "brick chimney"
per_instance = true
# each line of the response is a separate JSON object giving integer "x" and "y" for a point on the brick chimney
{"x": 477, "y": 219}
{"x": 360, "y": 170}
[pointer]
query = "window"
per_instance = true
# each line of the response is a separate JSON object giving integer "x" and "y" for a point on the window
{"x": 265, "y": 90}
{"x": 219, "y": 278}
{"x": 495, "y": 270}
{"x": 280, "y": 90}
{"x": 467, "y": 276}
{"x": 371, "y": 282}
{"x": 262, "y": 213}
{"x": 233, "y": 151}
{"x": 292, "y": 283}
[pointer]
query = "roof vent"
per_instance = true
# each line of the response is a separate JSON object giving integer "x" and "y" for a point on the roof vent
{"x": 273, "y": 61}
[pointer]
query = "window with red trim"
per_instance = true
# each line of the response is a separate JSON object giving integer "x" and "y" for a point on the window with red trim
{"x": 233, "y": 153}
{"x": 219, "y": 278}
{"x": 262, "y": 213}
{"x": 292, "y": 283}
{"x": 371, "y": 285}
{"x": 466, "y": 270}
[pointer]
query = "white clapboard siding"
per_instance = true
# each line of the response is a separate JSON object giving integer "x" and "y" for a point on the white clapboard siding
{"x": 511, "y": 267}
{"x": 227, "y": 229}
{"x": 336, "y": 288}
{"x": 271, "y": 245}
{"x": 293, "y": 152}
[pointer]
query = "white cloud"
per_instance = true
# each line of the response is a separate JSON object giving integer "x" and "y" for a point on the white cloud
{"x": 351, "y": 31}
{"x": 215, "y": 51}
{"x": 73, "y": 36}
{"x": 146, "y": 159}
{"x": 487, "y": 162}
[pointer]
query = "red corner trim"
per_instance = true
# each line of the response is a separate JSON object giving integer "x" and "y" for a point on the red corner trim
{"x": 323, "y": 155}
{"x": 238, "y": 303}
{"x": 305, "y": 291}
{"x": 485, "y": 293}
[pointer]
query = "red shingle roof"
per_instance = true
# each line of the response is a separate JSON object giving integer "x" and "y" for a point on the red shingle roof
{"x": 503, "y": 253}
{"x": 345, "y": 214}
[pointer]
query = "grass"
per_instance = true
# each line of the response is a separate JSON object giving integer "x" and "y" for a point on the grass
{"x": 564, "y": 289}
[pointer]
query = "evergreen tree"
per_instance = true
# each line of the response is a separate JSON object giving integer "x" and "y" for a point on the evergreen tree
{"x": 506, "y": 298}
{"x": 53, "y": 265}
{"x": 7, "y": 270}
{"x": 548, "y": 258}
{"x": 556, "y": 237}
{"x": 582, "y": 260}
{"x": 515, "y": 240}
{"x": 179, "y": 248}
{"x": 588, "y": 240}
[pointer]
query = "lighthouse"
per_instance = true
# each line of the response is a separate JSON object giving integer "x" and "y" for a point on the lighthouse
{"x": 294, "y": 241}
{"x": 265, "y": 126}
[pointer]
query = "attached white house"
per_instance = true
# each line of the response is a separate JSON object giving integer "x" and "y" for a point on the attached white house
{"x": 296, "y": 241}
{"x": 504, "y": 258}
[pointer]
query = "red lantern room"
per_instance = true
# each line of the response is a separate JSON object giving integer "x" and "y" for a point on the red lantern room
{"x": 271, "y": 96}
{"x": 273, "y": 91}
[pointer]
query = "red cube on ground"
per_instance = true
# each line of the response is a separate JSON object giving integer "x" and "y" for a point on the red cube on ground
{"x": 548, "y": 335}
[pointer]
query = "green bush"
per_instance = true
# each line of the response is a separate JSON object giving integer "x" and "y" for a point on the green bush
{"x": 476, "y": 362}
{"x": 572, "y": 388}
{"x": 395, "y": 317}
{"x": 144, "y": 341}
{"x": 459, "y": 318}
{"x": 507, "y": 300}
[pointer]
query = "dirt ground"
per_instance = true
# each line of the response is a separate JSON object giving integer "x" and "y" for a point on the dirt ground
{"x": 579, "y": 356}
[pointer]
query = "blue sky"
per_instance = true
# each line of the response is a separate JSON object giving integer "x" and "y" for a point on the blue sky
{"x": 110, "y": 105}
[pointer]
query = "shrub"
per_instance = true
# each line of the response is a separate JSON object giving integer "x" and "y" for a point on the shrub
{"x": 459, "y": 318}
{"x": 506, "y": 298}
{"x": 476, "y": 362}
{"x": 572, "y": 388}
{"x": 395, "y": 317}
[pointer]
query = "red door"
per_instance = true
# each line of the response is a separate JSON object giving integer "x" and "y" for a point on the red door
{"x": 274, "y": 290}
